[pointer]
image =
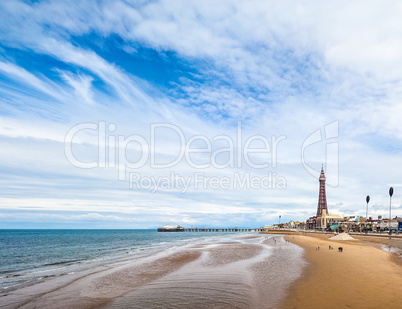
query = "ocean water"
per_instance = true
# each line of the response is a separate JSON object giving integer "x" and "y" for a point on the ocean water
{"x": 30, "y": 256}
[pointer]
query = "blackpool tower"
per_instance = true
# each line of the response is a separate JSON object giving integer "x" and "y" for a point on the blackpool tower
{"x": 322, "y": 199}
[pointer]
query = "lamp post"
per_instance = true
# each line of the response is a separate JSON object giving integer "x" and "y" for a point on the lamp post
{"x": 391, "y": 192}
{"x": 367, "y": 201}
{"x": 280, "y": 219}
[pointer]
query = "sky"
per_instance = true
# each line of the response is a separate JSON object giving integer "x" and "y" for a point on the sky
{"x": 137, "y": 114}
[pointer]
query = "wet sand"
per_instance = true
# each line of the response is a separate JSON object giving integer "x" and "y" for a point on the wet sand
{"x": 244, "y": 274}
{"x": 362, "y": 276}
{"x": 240, "y": 272}
{"x": 94, "y": 289}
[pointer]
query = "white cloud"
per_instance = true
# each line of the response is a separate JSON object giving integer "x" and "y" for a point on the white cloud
{"x": 82, "y": 86}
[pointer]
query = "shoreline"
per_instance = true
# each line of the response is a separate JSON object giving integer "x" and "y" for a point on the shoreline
{"x": 284, "y": 270}
{"x": 239, "y": 271}
{"x": 362, "y": 276}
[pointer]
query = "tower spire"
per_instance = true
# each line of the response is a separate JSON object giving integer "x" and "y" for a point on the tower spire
{"x": 322, "y": 198}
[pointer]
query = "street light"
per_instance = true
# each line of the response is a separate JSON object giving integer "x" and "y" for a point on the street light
{"x": 367, "y": 201}
{"x": 391, "y": 192}
{"x": 280, "y": 219}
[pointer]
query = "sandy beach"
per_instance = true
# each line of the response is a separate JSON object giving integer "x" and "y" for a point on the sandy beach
{"x": 362, "y": 276}
{"x": 240, "y": 271}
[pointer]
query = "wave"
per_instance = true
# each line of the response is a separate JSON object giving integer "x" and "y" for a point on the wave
{"x": 63, "y": 262}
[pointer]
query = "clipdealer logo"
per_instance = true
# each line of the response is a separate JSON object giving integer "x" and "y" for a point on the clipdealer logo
{"x": 114, "y": 151}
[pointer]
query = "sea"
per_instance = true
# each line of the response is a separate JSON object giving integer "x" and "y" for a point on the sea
{"x": 31, "y": 256}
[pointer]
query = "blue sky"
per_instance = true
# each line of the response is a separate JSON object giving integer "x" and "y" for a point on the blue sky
{"x": 324, "y": 75}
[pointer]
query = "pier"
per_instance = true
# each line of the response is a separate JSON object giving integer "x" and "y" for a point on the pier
{"x": 222, "y": 230}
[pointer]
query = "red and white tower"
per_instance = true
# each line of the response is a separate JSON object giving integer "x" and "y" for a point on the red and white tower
{"x": 322, "y": 199}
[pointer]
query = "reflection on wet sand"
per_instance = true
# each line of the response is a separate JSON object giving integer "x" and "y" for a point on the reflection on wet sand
{"x": 248, "y": 273}
{"x": 222, "y": 272}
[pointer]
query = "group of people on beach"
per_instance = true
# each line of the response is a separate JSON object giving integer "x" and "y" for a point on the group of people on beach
{"x": 340, "y": 249}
